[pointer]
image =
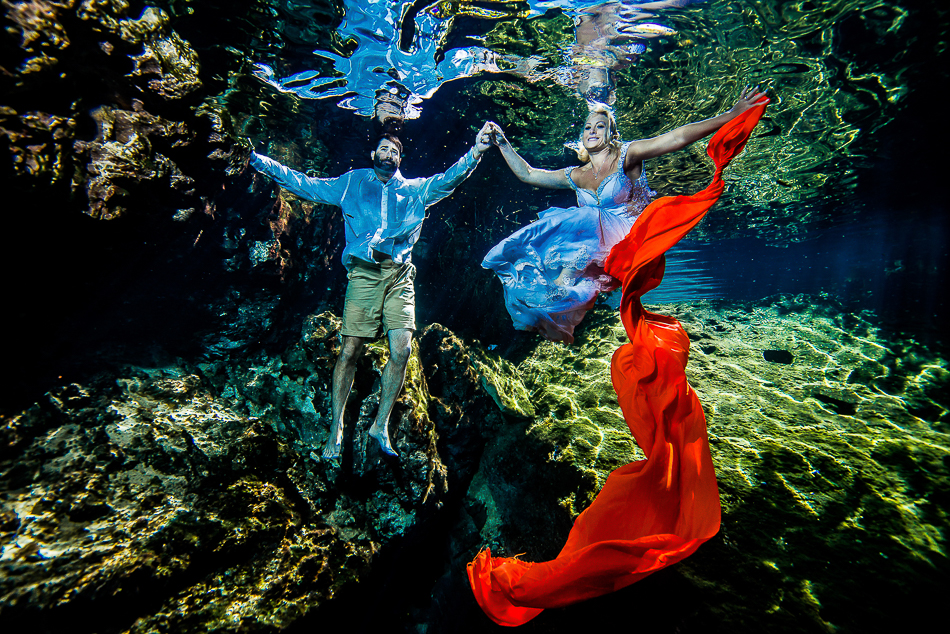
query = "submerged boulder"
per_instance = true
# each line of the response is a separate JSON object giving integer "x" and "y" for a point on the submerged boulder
{"x": 832, "y": 469}
{"x": 192, "y": 498}
{"x": 150, "y": 501}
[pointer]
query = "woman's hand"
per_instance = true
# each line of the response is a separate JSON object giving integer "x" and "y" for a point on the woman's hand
{"x": 483, "y": 140}
{"x": 497, "y": 134}
{"x": 519, "y": 167}
{"x": 751, "y": 96}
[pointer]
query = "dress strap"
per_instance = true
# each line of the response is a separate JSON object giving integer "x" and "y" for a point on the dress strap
{"x": 623, "y": 155}
{"x": 567, "y": 175}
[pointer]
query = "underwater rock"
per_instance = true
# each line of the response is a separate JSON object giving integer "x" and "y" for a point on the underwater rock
{"x": 833, "y": 491}
{"x": 148, "y": 498}
{"x": 165, "y": 55}
{"x": 122, "y": 152}
{"x": 132, "y": 80}
{"x": 192, "y": 499}
{"x": 40, "y": 144}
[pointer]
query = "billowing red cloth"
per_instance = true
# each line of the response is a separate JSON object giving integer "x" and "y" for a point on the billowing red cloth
{"x": 654, "y": 512}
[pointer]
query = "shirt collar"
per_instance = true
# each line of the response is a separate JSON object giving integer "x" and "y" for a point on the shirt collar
{"x": 397, "y": 176}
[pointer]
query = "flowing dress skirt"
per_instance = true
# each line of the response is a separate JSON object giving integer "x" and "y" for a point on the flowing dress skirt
{"x": 553, "y": 269}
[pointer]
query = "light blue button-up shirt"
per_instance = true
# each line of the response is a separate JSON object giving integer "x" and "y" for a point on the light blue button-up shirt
{"x": 385, "y": 217}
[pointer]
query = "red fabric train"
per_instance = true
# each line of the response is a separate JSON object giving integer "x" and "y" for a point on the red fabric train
{"x": 654, "y": 512}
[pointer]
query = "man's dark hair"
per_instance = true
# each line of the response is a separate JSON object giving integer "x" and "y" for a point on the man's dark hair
{"x": 392, "y": 138}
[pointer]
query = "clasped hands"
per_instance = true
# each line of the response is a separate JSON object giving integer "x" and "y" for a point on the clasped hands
{"x": 490, "y": 134}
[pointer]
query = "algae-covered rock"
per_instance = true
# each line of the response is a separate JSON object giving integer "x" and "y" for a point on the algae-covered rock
{"x": 500, "y": 379}
{"x": 158, "y": 500}
{"x": 194, "y": 500}
{"x": 133, "y": 82}
{"x": 834, "y": 489}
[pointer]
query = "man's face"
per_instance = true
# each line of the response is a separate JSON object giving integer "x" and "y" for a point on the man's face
{"x": 386, "y": 157}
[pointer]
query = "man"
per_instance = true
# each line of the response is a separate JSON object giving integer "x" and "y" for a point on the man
{"x": 383, "y": 214}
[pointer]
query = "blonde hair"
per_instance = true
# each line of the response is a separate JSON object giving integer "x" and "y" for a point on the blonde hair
{"x": 611, "y": 132}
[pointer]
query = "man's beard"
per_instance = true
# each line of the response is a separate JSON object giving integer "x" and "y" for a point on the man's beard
{"x": 385, "y": 165}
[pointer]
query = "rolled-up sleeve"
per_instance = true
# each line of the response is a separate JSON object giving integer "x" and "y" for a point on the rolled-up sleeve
{"x": 437, "y": 187}
{"x": 318, "y": 190}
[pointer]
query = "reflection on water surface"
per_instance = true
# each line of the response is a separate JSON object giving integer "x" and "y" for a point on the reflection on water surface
{"x": 828, "y": 155}
{"x": 839, "y": 72}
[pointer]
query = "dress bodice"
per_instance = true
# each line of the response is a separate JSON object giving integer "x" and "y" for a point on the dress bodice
{"x": 617, "y": 190}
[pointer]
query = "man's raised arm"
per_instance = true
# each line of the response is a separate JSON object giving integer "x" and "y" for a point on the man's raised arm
{"x": 318, "y": 190}
{"x": 441, "y": 185}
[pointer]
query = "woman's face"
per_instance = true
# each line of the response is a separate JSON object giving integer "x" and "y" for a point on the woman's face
{"x": 596, "y": 132}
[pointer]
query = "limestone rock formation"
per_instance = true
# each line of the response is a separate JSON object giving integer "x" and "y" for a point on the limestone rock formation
{"x": 154, "y": 140}
{"x": 192, "y": 498}
{"x": 831, "y": 445}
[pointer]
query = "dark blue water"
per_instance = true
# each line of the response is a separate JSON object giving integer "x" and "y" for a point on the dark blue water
{"x": 880, "y": 264}
{"x": 872, "y": 260}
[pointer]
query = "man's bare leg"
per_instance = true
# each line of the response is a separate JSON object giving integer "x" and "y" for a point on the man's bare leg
{"x": 343, "y": 374}
{"x": 394, "y": 375}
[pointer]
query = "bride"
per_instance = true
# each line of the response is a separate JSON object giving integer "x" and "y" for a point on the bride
{"x": 552, "y": 269}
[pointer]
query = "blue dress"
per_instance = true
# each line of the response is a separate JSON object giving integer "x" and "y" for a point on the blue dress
{"x": 552, "y": 269}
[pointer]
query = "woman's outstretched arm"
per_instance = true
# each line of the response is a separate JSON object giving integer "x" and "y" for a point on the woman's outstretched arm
{"x": 526, "y": 174}
{"x": 682, "y": 136}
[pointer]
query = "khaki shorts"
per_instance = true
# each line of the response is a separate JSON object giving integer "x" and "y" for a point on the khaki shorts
{"x": 381, "y": 292}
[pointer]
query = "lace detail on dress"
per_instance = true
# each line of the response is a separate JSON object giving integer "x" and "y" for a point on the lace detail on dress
{"x": 640, "y": 195}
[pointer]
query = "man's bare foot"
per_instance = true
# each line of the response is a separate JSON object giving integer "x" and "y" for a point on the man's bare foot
{"x": 334, "y": 443}
{"x": 381, "y": 434}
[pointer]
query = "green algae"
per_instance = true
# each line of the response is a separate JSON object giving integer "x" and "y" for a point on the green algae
{"x": 501, "y": 380}
{"x": 834, "y": 489}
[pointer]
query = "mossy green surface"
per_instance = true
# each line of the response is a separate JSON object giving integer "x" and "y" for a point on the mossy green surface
{"x": 831, "y": 448}
{"x": 196, "y": 501}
